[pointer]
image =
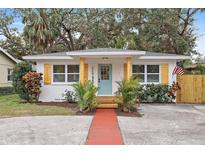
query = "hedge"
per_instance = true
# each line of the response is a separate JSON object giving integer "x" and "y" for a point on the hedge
{"x": 154, "y": 93}
{"x": 6, "y": 91}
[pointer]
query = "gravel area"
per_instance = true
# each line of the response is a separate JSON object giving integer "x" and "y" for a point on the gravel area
{"x": 45, "y": 130}
{"x": 165, "y": 124}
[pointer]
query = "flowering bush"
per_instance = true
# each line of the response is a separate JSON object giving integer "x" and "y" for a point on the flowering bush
{"x": 33, "y": 83}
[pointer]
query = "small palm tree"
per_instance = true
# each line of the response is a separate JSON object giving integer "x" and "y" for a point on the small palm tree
{"x": 86, "y": 95}
{"x": 40, "y": 28}
{"x": 127, "y": 94}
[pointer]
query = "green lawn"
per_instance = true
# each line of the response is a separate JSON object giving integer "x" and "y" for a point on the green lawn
{"x": 10, "y": 106}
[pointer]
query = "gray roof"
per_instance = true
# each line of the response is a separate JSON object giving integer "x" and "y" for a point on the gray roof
{"x": 147, "y": 53}
{"x": 9, "y": 55}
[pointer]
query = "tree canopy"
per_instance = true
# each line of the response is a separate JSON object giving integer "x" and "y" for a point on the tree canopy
{"x": 54, "y": 30}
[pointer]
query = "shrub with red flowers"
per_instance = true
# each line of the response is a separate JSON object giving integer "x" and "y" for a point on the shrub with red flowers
{"x": 32, "y": 82}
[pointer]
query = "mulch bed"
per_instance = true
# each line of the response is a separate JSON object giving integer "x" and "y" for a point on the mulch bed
{"x": 59, "y": 104}
{"x": 157, "y": 103}
{"x": 73, "y": 106}
{"x": 85, "y": 113}
{"x": 128, "y": 114}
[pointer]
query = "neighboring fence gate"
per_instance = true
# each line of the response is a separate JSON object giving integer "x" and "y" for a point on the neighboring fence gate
{"x": 192, "y": 89}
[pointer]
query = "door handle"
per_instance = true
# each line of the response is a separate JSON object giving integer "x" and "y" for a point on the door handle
{"x": 99, "y": 80}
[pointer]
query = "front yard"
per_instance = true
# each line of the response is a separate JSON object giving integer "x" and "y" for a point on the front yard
{"x": 11, "y": 106}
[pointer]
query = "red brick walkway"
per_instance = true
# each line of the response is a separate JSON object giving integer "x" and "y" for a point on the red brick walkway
{"x": 104, "y": 128}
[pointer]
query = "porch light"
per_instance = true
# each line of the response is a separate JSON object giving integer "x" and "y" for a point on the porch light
{"x": 105, "y": 58}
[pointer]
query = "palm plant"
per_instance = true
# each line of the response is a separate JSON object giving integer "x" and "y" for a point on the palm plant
{"x": 85, "y": 95}
{"x": 40, "y": 28}
{"x": 127, "y": 94}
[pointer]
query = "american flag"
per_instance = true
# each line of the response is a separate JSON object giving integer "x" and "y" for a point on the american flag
{"x": 177, "y": 70}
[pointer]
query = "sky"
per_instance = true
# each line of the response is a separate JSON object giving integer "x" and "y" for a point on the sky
{"x": 199, "y": 25}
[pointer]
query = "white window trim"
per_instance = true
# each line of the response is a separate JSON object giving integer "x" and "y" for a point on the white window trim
{"x": 71, "y": 73}
{"x": 58, "y": 73}
{"x": 153, "y": 74}
{"x": 66, "y": 78}
{"x": 9, "y": 81}
{"x": 145, "y": 73}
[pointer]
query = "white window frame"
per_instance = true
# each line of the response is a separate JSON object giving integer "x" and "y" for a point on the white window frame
{"x": 140, "y": 73}
{"x": 71, "y": 73}
{"x": 152, "y": 73}
{"x": 66, "y": 74}
{"x": 9, "y": 74}
{"x": 58, "y": 74}
{"x": 145, "y": 73}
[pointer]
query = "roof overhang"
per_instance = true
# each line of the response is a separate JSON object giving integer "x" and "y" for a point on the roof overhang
{"x": 46, "y": 57}
{"x": 8, "y": 55}
{"x": 166, "y": 57}
{"x": 110, "y": 54}
{"x": 115, "y": 53}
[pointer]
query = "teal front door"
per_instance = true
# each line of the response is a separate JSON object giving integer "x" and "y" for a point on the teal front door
{"x": 105, "y": 79}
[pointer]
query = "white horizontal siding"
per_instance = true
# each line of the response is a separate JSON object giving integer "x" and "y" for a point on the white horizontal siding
{"x": 54, "y": 92}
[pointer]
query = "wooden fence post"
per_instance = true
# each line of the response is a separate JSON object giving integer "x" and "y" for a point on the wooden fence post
{"x": 203, "y": 89}
{"x": 178, "y": 96}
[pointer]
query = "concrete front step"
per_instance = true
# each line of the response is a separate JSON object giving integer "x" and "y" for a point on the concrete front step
{"x": 106, "y": 99}
{"x": 111, "y": 106}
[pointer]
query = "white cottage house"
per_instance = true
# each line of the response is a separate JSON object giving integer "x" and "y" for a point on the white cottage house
{"x": 103, "y": 66}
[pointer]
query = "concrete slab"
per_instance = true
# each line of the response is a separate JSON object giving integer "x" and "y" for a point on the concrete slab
{"x": 200, "y": 107}
{"x": 165, "y": 124}
{"x": 45, "y": 130}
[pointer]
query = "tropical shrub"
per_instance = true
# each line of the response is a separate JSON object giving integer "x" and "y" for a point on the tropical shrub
{"x": 86, "y": 95}
{"x": 19, "y": 71}
{"x": 127, "y": 94}
{"x": 32, "y": 81}
{"x": 69, "y": 96}
{"x": 200, "y": 69}
{"x": 172, "y": 90}
{"x": 154, "y": 93}
{"x": 6, "y": 90}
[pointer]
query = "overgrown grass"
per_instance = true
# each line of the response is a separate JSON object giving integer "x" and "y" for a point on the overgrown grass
{"x": 11, "y": 106}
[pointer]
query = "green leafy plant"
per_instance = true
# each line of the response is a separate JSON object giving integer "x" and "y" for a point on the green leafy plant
{"x": 86, "y": 95}
{"x": 200, "y": 69}
{"x": 19, "y": 71}
{"x": 6, "y": 91}
{"x": 69, "y": 96}
{"x": 127, "y": 94}
{"x": 32, "y": 82}
{"x": 154, "y": 93}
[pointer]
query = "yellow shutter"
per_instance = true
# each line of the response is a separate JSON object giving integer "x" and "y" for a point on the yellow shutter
{"x": 125, "y": 71}
{"x": 82, "y": 70}
{"x": 47, "y": 74}
{"x": 129, "y": 67}
{"x": 86, "y": 72}
{"x": 164, "y": 74}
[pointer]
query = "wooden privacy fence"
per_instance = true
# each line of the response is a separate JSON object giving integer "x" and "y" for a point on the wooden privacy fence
{"x": 192, "y": 89}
